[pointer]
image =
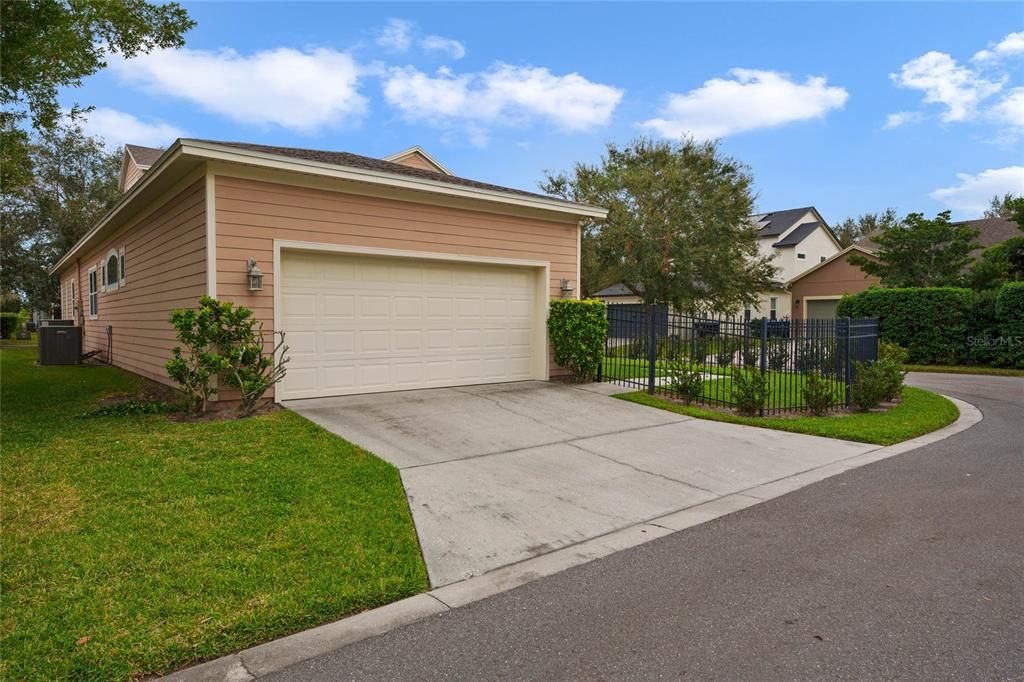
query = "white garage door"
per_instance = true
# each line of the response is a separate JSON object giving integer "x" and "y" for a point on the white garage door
{"x": 363, "y": 324}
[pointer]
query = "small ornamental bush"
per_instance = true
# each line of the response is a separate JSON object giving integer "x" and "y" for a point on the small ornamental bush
{"x": 871, "y": 385}
{"x": 891, "y": 352}
{"x": 751, "y": 355}
{"x": 222, "y": 340}
{"x": 686, "y": 383}
{"x": 577, "y": 329}
{"x": 815, "y": 355}
{"x": 8, "y": 324}
{"x": 749, "y": 391}
{"x": 818, "y": 394}
{"x": 778, "y": 354}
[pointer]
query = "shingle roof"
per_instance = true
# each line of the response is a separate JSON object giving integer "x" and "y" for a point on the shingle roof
{"x": 369, "y": 163}
{"x": 991, "y": 231}
{"x": 775, "y": 223}
{"x": 619, "y": 289}
{"x": 797, "y": 235}
{"x": 144, "y": 156}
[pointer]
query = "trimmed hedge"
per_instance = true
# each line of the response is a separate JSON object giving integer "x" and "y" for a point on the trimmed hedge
{"x": 577, "y": 329}
{"x": 1009, "y": 308}
{"x": 8, "y": 324}
{"x": 931, "y": 323}
{"x": 947, "y": 326}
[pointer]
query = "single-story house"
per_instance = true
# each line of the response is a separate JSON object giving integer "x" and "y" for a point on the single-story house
{"x": 384, "y": 274}
{"x": 816, "y": 291}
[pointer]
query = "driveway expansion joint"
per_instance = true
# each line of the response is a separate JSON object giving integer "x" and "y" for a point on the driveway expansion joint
{"x": 575, "y": 444}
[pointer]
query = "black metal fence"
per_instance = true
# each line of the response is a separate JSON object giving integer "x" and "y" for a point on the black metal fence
{"x": 660, "y": 350}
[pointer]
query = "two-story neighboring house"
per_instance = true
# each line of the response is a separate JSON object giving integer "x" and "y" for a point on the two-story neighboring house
{"x": 797, "y": 239}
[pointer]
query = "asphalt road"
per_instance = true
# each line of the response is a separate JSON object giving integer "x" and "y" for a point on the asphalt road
{"x": 909, "y": 568}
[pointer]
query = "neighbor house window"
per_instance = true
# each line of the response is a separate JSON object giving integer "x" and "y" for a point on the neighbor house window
{"x": 774, "y": 314}
{"x": 801, "y": 256}
{"x": 822, "y": 259}
{"x": 94, "y": 299}
{"x": 746, "y": 312}
{"x": 110, "y": 271}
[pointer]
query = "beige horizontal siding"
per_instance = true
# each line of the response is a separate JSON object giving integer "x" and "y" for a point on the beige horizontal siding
{"x": 165, "y": 258}
{"x": 250, "y": 214}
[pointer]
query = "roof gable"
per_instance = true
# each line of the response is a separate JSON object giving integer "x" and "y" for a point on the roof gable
{"x": 136, "y": 161}
{"x": 777, "y": 222}
{"x": 832, "y": 259}
{"x": 417, "y": 157}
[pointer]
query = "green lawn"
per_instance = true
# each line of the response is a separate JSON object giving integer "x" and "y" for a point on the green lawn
{"x": 920, "y": 412}
{"x": 136, "y": 545}
{"x": 966, "y": 369}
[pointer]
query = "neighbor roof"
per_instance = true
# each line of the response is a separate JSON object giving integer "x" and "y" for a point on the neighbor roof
{"x": 144, "y": 156}
{"x": 369, "y": 163}
{"x": 991, "y": 231}
{"x": 775, "y": 223}
{"x": 797, "y": 235}
{"x": 618, "y": 289}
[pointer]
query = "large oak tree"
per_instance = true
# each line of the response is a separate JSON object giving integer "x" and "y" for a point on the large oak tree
{"x": 678, "y": 228}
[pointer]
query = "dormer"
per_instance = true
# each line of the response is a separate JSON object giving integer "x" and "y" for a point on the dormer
{"x": 417, "y": 157}
{"x": 135, "y": 163}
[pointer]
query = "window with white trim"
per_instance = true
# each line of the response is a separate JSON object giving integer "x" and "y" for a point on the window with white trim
{"x": 111, "y": 271}
{"x": 120, "y": 264}
{"x": 774, "y": 308}
{"x": 801, "y": 256}
{"x": 74, "y": 301}
{"x": 747, "y": 312}
{"x": 823, "y": 259}
{"x": 94, "y": 297}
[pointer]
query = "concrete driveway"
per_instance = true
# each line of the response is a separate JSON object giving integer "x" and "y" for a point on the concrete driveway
{"x": 500, "y": 473}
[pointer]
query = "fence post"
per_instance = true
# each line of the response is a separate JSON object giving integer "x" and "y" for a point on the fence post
{"x": 764, "y": 353}
{"x": 652, "y": 348}
{"x": 845, "y": 327}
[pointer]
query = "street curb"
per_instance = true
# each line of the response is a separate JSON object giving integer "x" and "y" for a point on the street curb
{"x": 273, "y": 656}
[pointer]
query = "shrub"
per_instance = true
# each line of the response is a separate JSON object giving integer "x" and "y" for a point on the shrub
{"x": 221, "y": 339}
{"x": 578, "y": 329}
{"x": 686, "y": 383}
{"x": 870, "y": 386}
{"x": 194, "y": 370}
{"x": 725, "y": 352}
{"x": 8, "y": 324}
{"x": 778, "y": 354}
{"x": 931, "y": 323}
{"x": 815, "y": 355}
{"x": 132, "y": 408}
{"x": 818, "y": 394}
{"x": 751, "y": 355}
{"x": 1009, "y": 309}
{"x": 749, "y": 391}
{"x": 891, "y": 352}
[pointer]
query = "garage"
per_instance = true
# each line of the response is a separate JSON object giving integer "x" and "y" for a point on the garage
{"x": 822, "y": 308}
{"x": 366, "y": 323}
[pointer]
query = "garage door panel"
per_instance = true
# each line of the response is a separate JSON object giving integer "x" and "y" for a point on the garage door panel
{"x": 360, "y": 324}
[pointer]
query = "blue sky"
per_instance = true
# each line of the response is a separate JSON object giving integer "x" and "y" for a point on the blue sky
{"x": 848, "y": 107}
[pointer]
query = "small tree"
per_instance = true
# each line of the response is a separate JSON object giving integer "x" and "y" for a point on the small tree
{"x": 918, "y": 252}
{"x": 250, "y": 368}
{"x": 852, "y": 230}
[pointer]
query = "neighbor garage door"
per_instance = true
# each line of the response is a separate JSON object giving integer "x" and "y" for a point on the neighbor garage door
{"x": 363, "y": 324}
{"x": 822, "y": 309}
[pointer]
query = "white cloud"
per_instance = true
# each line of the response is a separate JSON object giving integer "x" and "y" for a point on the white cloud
{"x": 1010, "y": 109}
{"x": 502, "y": 95}
{"x": 117, "y": 128}
{"x": 449, "y": 46}
{"x": 396, "y": 36}
{"x": 974, "y": 192}
{"x": 750, "y": 100}
{"x": 298, "y": 90}
{"x": 1010, "y": 46}
{"x": 902, "y": 118}
{"x": 945, "y": 82}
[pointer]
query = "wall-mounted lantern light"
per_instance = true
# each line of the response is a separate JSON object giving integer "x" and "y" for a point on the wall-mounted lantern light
{"x": 567, "y": 288}
{"x": 255, "y": 276}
